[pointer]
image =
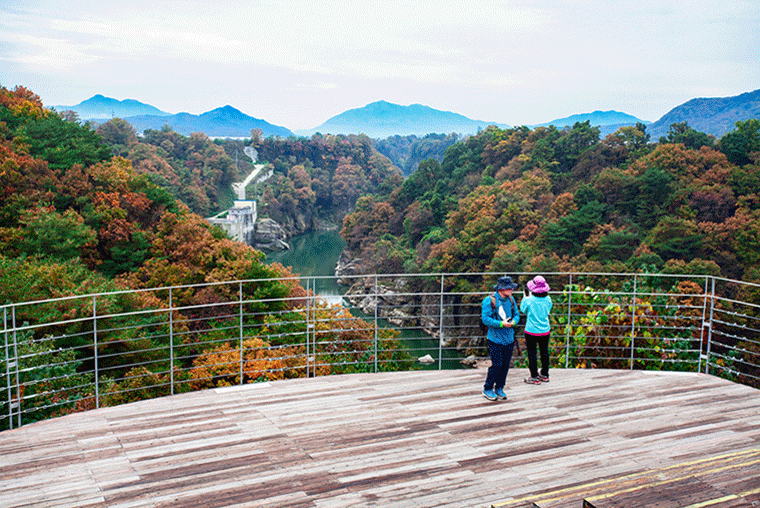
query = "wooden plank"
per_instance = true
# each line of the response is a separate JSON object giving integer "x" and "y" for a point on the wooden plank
{"x": 399, "y": 439}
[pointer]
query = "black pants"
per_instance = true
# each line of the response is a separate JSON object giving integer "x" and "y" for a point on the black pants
{"x": 543, "y": 346}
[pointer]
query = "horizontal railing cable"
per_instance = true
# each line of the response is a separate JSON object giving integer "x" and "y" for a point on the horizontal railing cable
{"x": 84, "y": 351}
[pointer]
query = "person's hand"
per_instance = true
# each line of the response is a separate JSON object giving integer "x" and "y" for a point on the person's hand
{"x": 507, "y": 323}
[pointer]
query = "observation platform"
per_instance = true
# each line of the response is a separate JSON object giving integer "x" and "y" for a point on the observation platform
{"x": 596, "y": 438}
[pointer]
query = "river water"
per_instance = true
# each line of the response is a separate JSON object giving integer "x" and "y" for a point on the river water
{"x": 316, "y": 254}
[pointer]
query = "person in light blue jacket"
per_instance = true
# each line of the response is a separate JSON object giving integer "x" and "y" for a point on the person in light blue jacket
{"x": 500, "y": 319}
{"x": 537, "y": 308}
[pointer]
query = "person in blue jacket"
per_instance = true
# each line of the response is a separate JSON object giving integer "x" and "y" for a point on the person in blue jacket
{"x": 500, "y": 318}
{"x": 537, "y": 308}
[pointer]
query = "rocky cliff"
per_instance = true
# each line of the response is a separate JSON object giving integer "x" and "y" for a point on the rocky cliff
{"x": 269, "y": 236}
{"x": 409, "y": 304}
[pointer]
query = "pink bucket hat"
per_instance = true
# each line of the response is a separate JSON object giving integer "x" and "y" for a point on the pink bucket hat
{"x": 538, "y": 285}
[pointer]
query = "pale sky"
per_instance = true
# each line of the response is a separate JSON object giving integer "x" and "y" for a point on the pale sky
{"x": 296, "y": 63}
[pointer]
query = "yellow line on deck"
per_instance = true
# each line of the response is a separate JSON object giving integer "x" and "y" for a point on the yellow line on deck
{"x": 722, "y": 499}
{"x": 639, "y": 487}
{"x": 567, "y": 491}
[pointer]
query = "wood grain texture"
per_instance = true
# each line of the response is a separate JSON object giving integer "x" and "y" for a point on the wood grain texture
{"x": 422, "y": 439}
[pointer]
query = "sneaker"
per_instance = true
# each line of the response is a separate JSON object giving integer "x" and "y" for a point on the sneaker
{"x": 543, "y": 379}
{"x": 489, "y": 394}
{"x": 532, "y": 380}
{"x": 500, "y": 393}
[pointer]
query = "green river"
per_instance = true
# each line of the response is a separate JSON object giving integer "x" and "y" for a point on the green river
{"x": 316, "y": 254}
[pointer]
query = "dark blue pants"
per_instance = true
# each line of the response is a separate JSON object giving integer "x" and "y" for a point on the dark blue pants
{"x": 501, "y": 355}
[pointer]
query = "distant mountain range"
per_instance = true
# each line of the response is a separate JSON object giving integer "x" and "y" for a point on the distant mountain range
{"x": 99, "y": 107}
{"x": 220, "y": 122}
{"x": 383, "y": 119}
{"x": 715, "y": 116}
{"x": 607, "y": 121}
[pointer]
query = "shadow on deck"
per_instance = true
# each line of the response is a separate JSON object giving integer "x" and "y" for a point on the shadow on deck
{"x": 409, "y": 439}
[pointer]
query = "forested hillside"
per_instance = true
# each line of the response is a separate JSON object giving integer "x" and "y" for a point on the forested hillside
{"x": 407, "y": 152}
{"x": 316, "y": 180}
{"x": 67, "y": 205}
{"x": 548, "y": 200}
{"x": 506, "y": 199}
{"x": 193, "y": 169}
{"x": 77, "y": 220}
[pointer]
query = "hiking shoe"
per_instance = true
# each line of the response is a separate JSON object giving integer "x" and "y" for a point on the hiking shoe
{"x": 532, "y": 380}
{"x": 500, "y": 393}
{"x": 543, "y": 379}
{"x": 489, "y": 394}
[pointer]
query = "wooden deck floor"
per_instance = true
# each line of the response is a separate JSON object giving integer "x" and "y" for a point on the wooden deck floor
{"x": 414, "y": 439}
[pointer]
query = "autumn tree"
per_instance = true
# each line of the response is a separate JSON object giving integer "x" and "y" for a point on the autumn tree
{"x": 690, "y": 138}
{"x": 573, "y": 143}
{"x": 740, "y": 144}
{"x": 62, "y": 144}
{"x": 47, "y": 233}
{"x": 118, "y": 134}
{"x": 568, "y": 233}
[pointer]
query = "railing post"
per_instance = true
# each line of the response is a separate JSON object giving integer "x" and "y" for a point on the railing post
{"x": 18, "y": 375}
{"x": 377, "y": 304}
{"x": 311, "y": 329}
{"x": 7, "y": 368}
{"x": 568, "y": 327}
{"x": 633, "y": 319}
{"x": 702, "y": 328}
{"x": 171, "y": 340}
{"x": 710, "y": 326}
{"x": 311, "y": 312}
{"x": 240, "y": 295}
{"x": 95, "y": 349}
{"x": 440, "y": 328}
{"x": 306, "y": 335}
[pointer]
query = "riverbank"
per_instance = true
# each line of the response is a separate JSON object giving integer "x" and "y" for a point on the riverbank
{"x": 314, "y": 257}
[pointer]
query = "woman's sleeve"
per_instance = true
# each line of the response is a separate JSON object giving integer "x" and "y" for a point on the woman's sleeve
{"x": 516, "y": 315}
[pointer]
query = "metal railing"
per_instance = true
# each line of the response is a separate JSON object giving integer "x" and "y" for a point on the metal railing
{"x": 82, "y": 352}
